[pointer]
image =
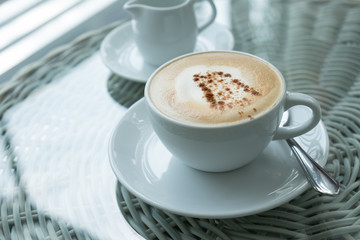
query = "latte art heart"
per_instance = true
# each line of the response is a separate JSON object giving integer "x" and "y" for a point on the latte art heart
{"x": 215, "y": 88}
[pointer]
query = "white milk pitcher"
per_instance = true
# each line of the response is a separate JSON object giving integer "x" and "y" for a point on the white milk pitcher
{"x": 164, "y": 29}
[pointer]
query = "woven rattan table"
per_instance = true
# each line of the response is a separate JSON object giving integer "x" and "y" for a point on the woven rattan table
{"x": 57, "y": 114}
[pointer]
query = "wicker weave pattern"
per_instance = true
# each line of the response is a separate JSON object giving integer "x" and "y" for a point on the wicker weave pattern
{"x": 316, "y": 45}
{"x": 19, "y": 219}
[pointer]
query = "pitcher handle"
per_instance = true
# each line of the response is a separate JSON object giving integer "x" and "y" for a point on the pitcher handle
{"x": 211, "y": 18}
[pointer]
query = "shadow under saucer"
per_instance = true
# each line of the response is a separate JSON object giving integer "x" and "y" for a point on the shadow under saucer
{"x": 123, "y": 91}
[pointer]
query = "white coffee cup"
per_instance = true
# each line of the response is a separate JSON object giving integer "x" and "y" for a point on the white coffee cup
{"x": 223, "y": 146}
{"x": 165, "y": 29}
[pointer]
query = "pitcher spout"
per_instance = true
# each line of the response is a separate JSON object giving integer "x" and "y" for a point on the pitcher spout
{"x": 134, "y": 7}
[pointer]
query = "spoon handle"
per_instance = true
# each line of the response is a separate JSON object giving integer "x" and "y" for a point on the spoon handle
{"x": 316, "y": 175}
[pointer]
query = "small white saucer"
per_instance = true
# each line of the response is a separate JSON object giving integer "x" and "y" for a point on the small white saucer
{"x": 120, "y": 54}
{"x": 145, "y": 167}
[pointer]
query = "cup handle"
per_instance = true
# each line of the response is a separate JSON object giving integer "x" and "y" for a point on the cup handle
{"x": 211, "y": 18}
{"x": 293, "y": 99}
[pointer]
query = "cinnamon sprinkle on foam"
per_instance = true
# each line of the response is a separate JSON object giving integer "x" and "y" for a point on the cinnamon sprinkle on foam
{"x": 217, "y": 88}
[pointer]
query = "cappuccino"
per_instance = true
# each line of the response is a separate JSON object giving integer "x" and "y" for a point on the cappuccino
{"x": 216, "y": 88}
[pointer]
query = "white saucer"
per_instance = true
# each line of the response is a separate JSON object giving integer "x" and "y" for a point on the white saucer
{"x": 143, "y": 165}
{"x": 120, "y": 54}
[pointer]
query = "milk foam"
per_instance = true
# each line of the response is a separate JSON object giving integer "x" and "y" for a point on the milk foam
{"x": 188, "y": 90}
{"x": 218, "y": 87}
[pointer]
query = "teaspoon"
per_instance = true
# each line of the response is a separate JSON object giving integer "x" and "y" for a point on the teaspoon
{"x": 319, "y": 179}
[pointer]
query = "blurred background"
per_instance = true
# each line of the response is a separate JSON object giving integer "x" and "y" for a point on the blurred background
{"x": 31, "y": 28}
